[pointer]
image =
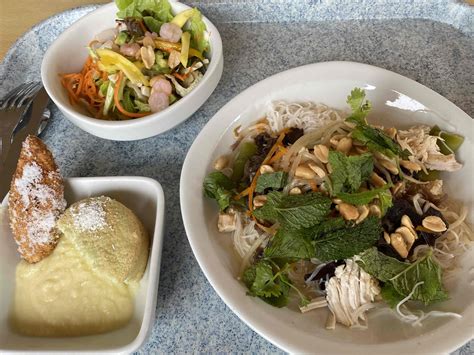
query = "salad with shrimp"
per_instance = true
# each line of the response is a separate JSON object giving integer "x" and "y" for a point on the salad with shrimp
{"x": 343, "y": 215}
{"x": 150, "y": 60}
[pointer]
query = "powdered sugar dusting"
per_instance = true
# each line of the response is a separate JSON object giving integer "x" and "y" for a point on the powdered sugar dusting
{"x": 89, "y": 215}
{"x": 29, "y": 184}
{"x": 40, "y": 200}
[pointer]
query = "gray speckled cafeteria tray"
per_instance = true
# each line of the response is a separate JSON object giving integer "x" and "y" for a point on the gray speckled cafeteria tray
{"x": 428, "y": 41}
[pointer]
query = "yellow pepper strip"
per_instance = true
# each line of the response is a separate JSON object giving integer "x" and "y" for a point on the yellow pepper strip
{"x": 108, "y": 57}
{"x": 107, "y": 68}
{"x": 185, "y": 41}
{"x": 168, "y": 46}
{"x": 181, "y": 18}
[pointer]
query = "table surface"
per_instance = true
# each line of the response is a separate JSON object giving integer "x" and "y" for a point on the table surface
{"x": 190, "y": 315}
{"x": 12, "y": 26}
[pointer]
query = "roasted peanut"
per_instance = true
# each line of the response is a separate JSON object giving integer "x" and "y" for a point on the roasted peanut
{"x": 434, "y": 224}
{"x": 344, "y": 145}
{"x": 259, "y": 201}
{"x": 348, "y": 212}
{"x": 265, "y": 169}
{"x": 321, "y": 152}
{"x": 221, "y": 162}
{"x": 317, "y": 169}
{"x": 304, "y": 172}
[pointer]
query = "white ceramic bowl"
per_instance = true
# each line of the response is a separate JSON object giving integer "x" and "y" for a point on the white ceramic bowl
{"x": 396, "y": 100}
{"x": 144, "y": 196}
{"x": 68, "y": 53}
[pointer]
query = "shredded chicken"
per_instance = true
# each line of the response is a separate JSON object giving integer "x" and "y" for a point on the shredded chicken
{"x": 425, "y": 150}
{"x": 227, "y": 222}
{"x": 349, "y": 289}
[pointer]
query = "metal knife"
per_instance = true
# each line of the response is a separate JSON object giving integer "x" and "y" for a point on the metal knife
{"x": 35, "y": 124}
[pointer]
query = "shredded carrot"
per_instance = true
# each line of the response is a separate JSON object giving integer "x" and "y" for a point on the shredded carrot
{"x": 313, "y": 185}
{"x": 265, "y": 161}
{"x": 117, "y": 101}
{"x": 81, "y": 87}
{"x": 180, "y": 76}
{"x": 281, "y": 152}
{"x": 242, "y": 194}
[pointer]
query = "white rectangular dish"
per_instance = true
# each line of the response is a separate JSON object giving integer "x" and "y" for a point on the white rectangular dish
{"x": 144, "y": 196}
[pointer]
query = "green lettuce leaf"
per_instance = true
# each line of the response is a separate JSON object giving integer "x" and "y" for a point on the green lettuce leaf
{"x": 364, "y": 197}
{"x": 294, "y": 211}
{"x": 349, "y": 172}
{"x": 197, "y": 27}
{"x": 346, "y": 242}
{"x": 152, "y": 24}
{"x": 219, "y": 187}
{"x": 275, "y": 181}
{"x": 141, "y": 106}
{"x": 159, "y": 9}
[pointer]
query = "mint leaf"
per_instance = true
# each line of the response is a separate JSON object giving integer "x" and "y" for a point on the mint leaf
{"x": 268, "y": 211}
{"x": 294, "y": 211}
{"x": 289, "y": 244}
{"x": 303, "y": 211}
{"x": 218, "y": 186}
{"x": 377, "y": 141}
{"x": 349, "y": 172}
{"x": 360, "y": 109}
{"x": 348, "y": 241}
{"x": 385, "y": 199}
{"x": 379, "y": 265}
{"x": 423, "y": 270}
{"x": 390, "y": 295}
{"x": 325, "y": 227}
{"x": 402, "y": 277}
{"x": 364, "y": 197}
{"x": 273, "y": 181}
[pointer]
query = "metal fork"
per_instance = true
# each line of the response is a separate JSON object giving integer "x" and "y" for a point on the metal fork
{"x": 12, "y": 111}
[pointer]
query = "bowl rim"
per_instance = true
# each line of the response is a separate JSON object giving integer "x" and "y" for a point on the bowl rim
{"x": 214, "y": 130}
{"x": 153, "y": 266}
{"x": 215, "y": 44}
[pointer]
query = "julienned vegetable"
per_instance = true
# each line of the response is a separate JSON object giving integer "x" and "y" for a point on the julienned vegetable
{"x": 149, "y": 61}
{"x": 336, "y": 214}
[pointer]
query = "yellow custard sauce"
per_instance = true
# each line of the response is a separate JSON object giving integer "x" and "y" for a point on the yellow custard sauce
{"x": 87, "y": 285}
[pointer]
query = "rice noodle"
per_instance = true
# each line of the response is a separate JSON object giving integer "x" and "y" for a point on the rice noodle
{"x": 246, "y": 258}
{"x": 245, "y": 235}
{"x": 307, "y": 115}
{"x": 454, "y": 242}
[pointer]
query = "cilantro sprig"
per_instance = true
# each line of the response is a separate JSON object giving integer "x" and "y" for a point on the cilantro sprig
{"x": 375, "y": 139}
{"x": 268, "y": 281}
